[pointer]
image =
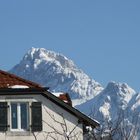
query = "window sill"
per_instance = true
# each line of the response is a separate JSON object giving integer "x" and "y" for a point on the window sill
{"x": 18, "y": 133}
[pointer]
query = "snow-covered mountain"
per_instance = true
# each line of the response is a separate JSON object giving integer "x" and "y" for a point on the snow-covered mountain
{"x": 108, "y": 104}
{"x": 117, "y": 108}
{"x": 57, "y": 72}
{"x": 134, "y": 104}
{"x": 60, "y": 74}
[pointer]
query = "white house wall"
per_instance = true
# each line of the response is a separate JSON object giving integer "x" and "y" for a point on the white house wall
{"x": 57, "y": 122}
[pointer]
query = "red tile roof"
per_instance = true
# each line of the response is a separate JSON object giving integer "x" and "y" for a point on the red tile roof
{"x": 8, "y": 79}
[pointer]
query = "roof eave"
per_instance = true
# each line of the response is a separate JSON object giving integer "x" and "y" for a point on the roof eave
{"x": 43, "y": 91}
{"x": 82, "y": 117}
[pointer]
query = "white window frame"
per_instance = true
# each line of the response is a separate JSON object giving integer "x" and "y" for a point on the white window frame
{"x": 19, "y": 118}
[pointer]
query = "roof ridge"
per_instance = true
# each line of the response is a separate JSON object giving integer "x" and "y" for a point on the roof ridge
{"x": 21, "y": 79}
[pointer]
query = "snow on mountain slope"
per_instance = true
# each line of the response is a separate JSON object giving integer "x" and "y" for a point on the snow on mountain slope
{"x": 54, "y": 70}
{"x": 106, "y": 105}
{"x": 117, "y": 107}
{"x": 135, "y": 103}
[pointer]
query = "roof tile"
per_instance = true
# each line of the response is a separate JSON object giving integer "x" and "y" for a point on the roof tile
{"x": 8, "y": 79}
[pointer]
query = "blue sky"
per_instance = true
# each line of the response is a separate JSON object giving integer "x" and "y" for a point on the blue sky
{"x": 101, "y": 36}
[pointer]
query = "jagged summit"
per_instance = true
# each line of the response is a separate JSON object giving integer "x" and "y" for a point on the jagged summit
{"x": 115, "y": 97}
{"x": 118, "y": 87}
{"x": 121, "y": 90}
{"x": 56, "y": 71}
{"x": 36, "y": 55}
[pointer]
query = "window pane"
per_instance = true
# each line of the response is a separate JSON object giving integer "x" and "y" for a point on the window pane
{"x": 24, "y": 118}
{"x": 14, "y": 115}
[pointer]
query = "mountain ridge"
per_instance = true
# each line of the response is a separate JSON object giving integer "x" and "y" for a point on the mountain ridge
{"x": 56, "y": 71}
{"x": 113, "y": 99}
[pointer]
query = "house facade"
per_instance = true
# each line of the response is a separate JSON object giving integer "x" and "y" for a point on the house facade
{"x": 29, "y": 111}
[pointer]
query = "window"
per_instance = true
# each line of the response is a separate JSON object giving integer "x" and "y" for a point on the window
{"x": 19, "y": 116}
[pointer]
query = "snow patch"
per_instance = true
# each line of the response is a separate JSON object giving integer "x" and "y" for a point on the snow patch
{"x": 57, "y": 94}
{"x": 105, "y": 110}
{"x": 18, "y": 86}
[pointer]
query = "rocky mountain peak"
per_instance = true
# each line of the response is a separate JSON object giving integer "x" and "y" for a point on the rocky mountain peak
{"x": 37, "y": 55}
{"x": 118, "y": 87}
{"x": 108, "y": 103}
{"x": 56, "y": 71}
